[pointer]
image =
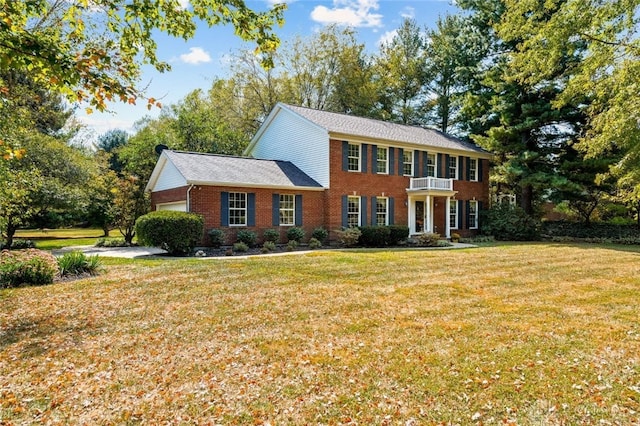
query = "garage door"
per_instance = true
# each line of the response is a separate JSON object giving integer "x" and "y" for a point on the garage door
{"x": 180, "y": 206}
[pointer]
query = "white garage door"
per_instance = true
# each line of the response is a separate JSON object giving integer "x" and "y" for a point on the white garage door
{"x": 180, "y": 206}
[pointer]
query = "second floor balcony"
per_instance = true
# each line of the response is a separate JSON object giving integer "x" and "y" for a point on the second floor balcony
{"x": 431, "y": 183}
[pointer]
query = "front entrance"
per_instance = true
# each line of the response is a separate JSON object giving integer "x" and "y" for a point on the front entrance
{"x": 419, "y": 217}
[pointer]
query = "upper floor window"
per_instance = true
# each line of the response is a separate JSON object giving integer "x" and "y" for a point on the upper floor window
{"x": 453, "y": 167}
{"x": 473, "y": 214}
{"x": 407, "y": 163}
{"x": 353, "y": 211}
{"x": 382, "y": 211}
{"x": 382, "y": 160}
{"x": 473, "y": 169}
{"x": 453, "y": 214}
{"x": 237, "y": 209}
{"x": 431, "y": 165}
{"x": 287, "y": 209}
{"x": 354, "y": 157}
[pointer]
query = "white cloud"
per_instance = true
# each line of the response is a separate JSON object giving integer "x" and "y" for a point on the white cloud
{"x": 195, "y": 56}
{"x": 355, "y": 13}
{"x": 184, "y": 4}
{"x": 274, "y": 2}
{"x": 387, "y": 37}
{"x": 408, "y": 12}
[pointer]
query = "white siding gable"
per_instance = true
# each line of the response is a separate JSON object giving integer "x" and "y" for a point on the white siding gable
{"x": 169, "y": 178}
{"x": 293, "y": 138}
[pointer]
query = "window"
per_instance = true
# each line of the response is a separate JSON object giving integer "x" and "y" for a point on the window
{"x": 237, "y": 209}
{"x": 407, "y": 163}
{"x": 453, "y": 214}
{"x": 453, "y": 167}
{"x": 354, "y": 158}
{"x": 431, "y": 165}
{"x": 287, "y": 209}
{"x": 473, "y": 169}
{"x": 381, "y": 211}
{"x": 473, "y": 215}
{"x": 353, "y": 211}
{"x": 382, "y": 157}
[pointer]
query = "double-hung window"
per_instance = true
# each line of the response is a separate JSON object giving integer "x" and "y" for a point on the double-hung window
{"x": 287, "y": 209}
{"x": 453, "y": 214}
{"x": 353, "y": 211}
{"x": 382, "y": 214}
{"x": 237, "y": 209}
{"x": 382, "y": 160}
{"x": 431, "y": 165}
{"x": 473, "y": 169}
{"x": 473, "y": 215}
{"x": 354, "y": 157}
{"x": 407, "y": 163}
{"x": 453, "y": 167}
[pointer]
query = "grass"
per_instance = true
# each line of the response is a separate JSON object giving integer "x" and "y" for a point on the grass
{"x": 51, "y": 239}
{"x": 507, "y": 334}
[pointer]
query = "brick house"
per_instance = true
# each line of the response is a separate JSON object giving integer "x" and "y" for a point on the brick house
{"x": 313, "y": 168}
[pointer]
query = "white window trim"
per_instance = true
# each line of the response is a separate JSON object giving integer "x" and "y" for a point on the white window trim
{"x": 474, "y": 225}
{"x": 292, "y": 209}
{"x": 453, "y": 205}
{"x": 349, "y": 157}
{"x": 245, "y": 209}
{"x": 435, "y": 164}
{"x": 350, "y": 197}
{"x": 410, "y": 162}
{"x": 386, "y": 210}
{"x": 454, "y": 159}
{"x": 386, "y": 160}
{"x": 475, "y": 160}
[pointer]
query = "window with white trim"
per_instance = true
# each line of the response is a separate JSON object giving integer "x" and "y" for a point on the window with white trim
{"x": 353, "y": 211}
{"x": 382, "y": 215}
{"x": 431, "y": 165}
{"x": 354, "y": 157}
{"x": 237, "y": 209}
{"x": 287, "y": 209}
{"x": 453, "y": 214}
{"x": 407, "y": 163}
{"x": 473, "y": 214}
{"x": 382, "y": 160}
{"x": 473, "y": 169}
{"x": 453, "y": 167}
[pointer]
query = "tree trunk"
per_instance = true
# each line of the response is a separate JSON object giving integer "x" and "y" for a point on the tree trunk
{"x": 526, "y": 199}
{"x": 11, "y": 231}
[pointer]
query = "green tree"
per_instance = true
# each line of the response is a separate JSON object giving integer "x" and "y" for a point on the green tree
{"x": 109, "y": 143}
{"x": 129, "y": 203}
{"x": 93, "y": 50}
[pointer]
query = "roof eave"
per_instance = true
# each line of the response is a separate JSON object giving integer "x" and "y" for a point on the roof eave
{"x": 255, "y": 185}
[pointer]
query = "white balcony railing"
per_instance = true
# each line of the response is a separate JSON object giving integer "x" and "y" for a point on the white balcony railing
{"x": 432, "y": 183}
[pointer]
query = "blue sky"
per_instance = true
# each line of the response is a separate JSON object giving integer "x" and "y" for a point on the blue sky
{"x": 197, "y": 62}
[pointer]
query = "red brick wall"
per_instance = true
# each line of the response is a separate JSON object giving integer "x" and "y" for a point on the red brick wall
{"x": 168, "y": 196}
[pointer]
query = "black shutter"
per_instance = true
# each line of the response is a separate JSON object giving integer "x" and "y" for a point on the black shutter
{"x": 400, "y": 161}
{"x": 345, "y": 156}
{"x": 345, "y": 209}
{"x": 392, "y": 160}
{"x": 480, "y": 161}
{"x": 374, "y": 159}
{"x": 469, "y": 168}
{"x": 425, "y": 162}
{"x": 363, "y": 211}
{"x": 461, "y": 168}
{"x": 251, "y": 209}
{"x": 224, "y": 209}
{"x": 416, "y": 163}
{"x": 467, "y": 214}
{"x": 298, "y": 210}
{"x": 275, "y": 210}
{"x": 439, "y": 165}
{"x": 460, "y": 214}
{"x": 374, "y": 202}
{"x": 447, "y": 170}
{"x": 391, "y": 209}
{"x": 364, "y": 149}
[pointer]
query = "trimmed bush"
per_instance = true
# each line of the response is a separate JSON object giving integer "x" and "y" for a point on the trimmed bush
{"x": 604, "y": 231}
{"x": 320, "y": 234}
{"x": 216, "y": 237}
{"x": 111, "y": 242}
{"x": 76, "y": 263}
{"x": 349, "y": 237}
{"x": 272, "y": 235}
{"x": 176, "y": 232}
{"x": 295, "y": 234}
{"x": 240, "y": 247}
{"x": 247, "y": 237}
{"x": 314, "y": 243}
{"x": 428, "y": 239}
{"x": 397, "y": 234}
{"x": 374, "y": 236}
{"x": 30, "y": 266}
{"x": 18, "y": 245}
{"x": 509, "y": 223}
{"x": 268, "y": 246}
{"x": 292, "y": 245}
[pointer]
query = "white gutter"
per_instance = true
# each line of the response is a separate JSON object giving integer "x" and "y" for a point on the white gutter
{"x": 189, "y": 198}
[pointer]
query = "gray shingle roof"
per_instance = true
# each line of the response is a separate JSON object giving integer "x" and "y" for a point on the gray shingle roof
{"x": 199, "y": 168}
{"x": 382, "y": 130}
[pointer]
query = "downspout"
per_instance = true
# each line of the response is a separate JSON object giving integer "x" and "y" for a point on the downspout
{"x": 189, "y": 198}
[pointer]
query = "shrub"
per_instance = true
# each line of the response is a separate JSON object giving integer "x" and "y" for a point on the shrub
{"x": 314, "y": 243}
{"x": 111, "y": 242}
{"x": 76, "y": 262}
{"x": 295, "y": 234}
{"x": 398, "y": 233}
{"x": 428, "y": 239}
{"x": 247, "y": 237}
{"x": 595, "y": 230}
{"x": 320, "y": 234}
{"x": 176, "y": 232}
{"x": 374, "y": 236}
{"x": 272, "y": 235}
{"x": 18, "y": 245}
{"x": 349, "y": 237}
{"x": 510, "y": 223}
{"x": 292, "y": 245}
{"x": 269, "y": 246}
{"x": 216, "y": 237}
{"x": 30, "y": 266}
{"x": 240, "y": 247}
{"x": 455, "y": 237}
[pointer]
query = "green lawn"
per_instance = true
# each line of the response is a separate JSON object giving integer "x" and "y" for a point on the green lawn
{"x": 51, "y": 239}
{"x": 509, "y": 334}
